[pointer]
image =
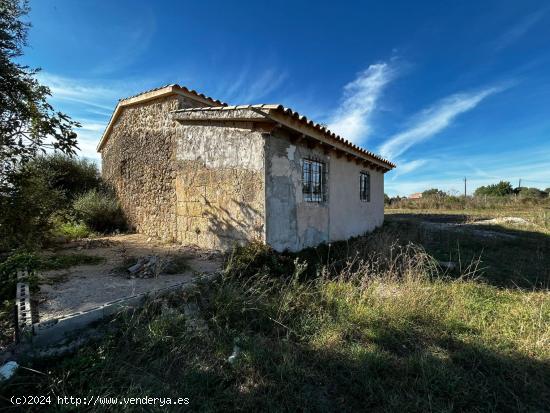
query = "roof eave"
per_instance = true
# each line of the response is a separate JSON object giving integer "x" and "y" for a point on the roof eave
{"x": 277, "y": 115}
{"x": 324, "y": 136}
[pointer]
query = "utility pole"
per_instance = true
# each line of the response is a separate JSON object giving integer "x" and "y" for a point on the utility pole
{"x": 519, "y": 185}
{"x": 464, "y": 187}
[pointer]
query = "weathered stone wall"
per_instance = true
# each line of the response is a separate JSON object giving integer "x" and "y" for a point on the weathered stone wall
{"x": 220, "y": 185}
{"x": 291, "y": 222}
{"x": 138, "y": 162}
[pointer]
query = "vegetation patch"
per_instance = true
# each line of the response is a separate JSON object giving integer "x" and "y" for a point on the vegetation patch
{"x": 99, "y": 210}
{"x": 71, "y": 230}
{"x": 378, "y": 329}
{"x": 511, "y": 255}
{"x": 165, "y": 264}
{"x": 64, "y": 261}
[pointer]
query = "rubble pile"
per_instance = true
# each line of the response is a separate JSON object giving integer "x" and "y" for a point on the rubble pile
{"x": 150, "y": 266}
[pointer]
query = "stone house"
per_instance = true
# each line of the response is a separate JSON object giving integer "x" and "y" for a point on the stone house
{"x": 192, "y": 169}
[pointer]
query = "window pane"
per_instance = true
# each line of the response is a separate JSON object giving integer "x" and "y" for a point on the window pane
{"x": 313, "y": 180}
{"x": 364, "y": 186}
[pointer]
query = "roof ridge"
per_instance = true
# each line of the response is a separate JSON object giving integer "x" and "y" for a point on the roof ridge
{"x": 177, "y": 86}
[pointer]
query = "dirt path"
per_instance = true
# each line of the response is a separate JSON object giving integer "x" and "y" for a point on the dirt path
{"x": 83, "y": 287}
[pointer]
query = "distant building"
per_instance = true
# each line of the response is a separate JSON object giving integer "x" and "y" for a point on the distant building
{"x": 416, "y": 195}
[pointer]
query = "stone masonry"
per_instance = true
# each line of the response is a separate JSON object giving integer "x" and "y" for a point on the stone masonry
{"x": 188, "y": 169}
{"x": 219, "y": 185}
{"x": 138, "y": 162}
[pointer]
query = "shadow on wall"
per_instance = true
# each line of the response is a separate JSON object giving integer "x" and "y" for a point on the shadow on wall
{"x": 242, "y": 224}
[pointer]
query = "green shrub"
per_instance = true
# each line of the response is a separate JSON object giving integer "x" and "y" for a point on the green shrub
{"x": 533, "y": 193}
{"x": 503, "y": 188}
{"x": 434, "y": 192}
{"x": 100, "y": 211}
{"x": 71, "y": 230}
{"x": 27, "y": 204}
{"x": 38, "y": 194}
{"x": 71, "y": 176}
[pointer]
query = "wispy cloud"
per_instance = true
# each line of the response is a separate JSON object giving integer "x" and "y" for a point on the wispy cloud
{"x": 519, "y": 29}
{"x": 81, "y": 91}
{"x": 250, "y": 87}
{"x": 446, "y": 172}
{"x": 89, "y": 102}
{"x": 352, "y": 118}
{"x": 406, "y": 167}
{"x": 433, "y": 120}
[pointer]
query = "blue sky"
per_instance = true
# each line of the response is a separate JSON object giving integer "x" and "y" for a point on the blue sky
{"x": 445, "y": 89}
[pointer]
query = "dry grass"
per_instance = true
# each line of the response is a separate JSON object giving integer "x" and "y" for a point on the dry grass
{"x": 376, "y": 326}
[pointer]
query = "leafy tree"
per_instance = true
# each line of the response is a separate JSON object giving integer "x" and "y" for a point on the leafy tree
{"x": 27, "y": 206}
{"x": 386, "y": 199}
{"x": 71, "y": 176}
{"x": 433, "y": 193}
{"x": 41, "y": 192}
{"x": 503, "y": 188}
{"x": 28, "y": 123}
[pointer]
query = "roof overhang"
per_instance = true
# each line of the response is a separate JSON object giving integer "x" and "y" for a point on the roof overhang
{"x": 300, "y": 128}
{"x": 152, "y": 95}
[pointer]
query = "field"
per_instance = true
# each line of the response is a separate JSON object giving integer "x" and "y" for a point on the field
{"x": 511, "y": 244}
{"x": 438, "y": 310}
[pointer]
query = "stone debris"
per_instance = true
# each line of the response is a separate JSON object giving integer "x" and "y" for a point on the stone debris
{"x": 8, "y": 370}
{"x": 91, "y": 243}
{"x": 449, "y": 265}
{"x": 503, "y": 220}
{"x": 193, "y": 319}
{"x": 233, "y": 357}
{"x": 150, "y": 266}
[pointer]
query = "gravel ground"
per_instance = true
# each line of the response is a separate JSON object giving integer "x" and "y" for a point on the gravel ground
{"x": 83, "y": 287}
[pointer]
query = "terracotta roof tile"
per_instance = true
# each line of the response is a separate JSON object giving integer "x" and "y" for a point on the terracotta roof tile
{"x": 301, "y": 118}
{"x": 182, "y": 88}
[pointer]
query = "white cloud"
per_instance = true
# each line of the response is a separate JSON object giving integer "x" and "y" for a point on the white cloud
{"x": 531, "y": 164}
{"x": 405, "y": 167}
{"x": 88, "y": 102}
{"x": 433, "y": 120}
{"x": 249, "y": 88}
{"x": 518, "y": 30}
{"x": 352, "y": 118}
{"x": 82, "y": 91}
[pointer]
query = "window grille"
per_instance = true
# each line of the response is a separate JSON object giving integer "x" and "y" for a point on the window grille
{"x": 364, "y": 186}
{"x": 314, "y": 180}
